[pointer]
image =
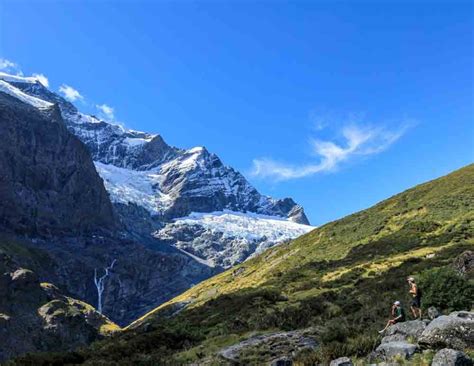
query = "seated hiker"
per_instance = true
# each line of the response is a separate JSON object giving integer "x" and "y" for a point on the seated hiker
{"x": 416, "y": 300}
{"x": 398, "y": 315}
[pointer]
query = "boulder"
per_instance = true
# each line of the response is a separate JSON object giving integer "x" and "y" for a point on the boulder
{"x": 341, "y": 361}
{"x": 24, "y": 278}
{"x": 451, "y": 357}
{"x": 282, "y": 346}
{"x": 391, "y": 350}
{"x": 455, "y": 330}
{"x": 433, "y": 313}
{"x": 464, "y": 263}
{"x": 394, "y": 338}
{"x": 401, "y": 331}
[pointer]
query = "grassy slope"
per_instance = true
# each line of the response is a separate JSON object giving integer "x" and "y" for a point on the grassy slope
{"x": 432, "y": 217}
{"x": 339, "y": 279}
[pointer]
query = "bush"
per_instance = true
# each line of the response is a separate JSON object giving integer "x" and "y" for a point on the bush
{"x": 446, "y": 290}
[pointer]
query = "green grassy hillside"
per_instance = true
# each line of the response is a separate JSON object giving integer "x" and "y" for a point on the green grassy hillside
{"x": 340, "y": 280}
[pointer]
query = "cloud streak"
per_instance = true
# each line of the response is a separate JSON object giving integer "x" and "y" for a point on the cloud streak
{"x": 42, "y": 79}
{"x": 70, "y": 93}
{"x": 358, "y": 141}
{"x": 7, "y": 65}
{"x": 106, "y": 111}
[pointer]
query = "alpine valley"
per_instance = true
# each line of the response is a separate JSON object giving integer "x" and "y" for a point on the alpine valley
{"x": 93, "y": 213}
{"x": 185, "y": 263}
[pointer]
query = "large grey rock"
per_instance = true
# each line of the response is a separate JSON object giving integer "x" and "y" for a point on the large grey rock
{"x": 341, "y": 361}
{"x": 464, "y": 263}
{"x": 401, "y": 331}
{"x": 451, "y": 357}
{"x": 394, "y": 338}
{"x": 455, "y": 330}
{"x": 433, "y": 312}
{"x": 391, "y": 350}
{"x": 281, "y": 345}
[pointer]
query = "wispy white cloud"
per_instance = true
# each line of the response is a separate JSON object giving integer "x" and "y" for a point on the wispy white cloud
{"x": 358, "y": 141}
{"x": 318, "y": 121}
{"x": 42, "y": 79}
{"x": 7, "y": 65}
{"x": 106, "y": 111}
{"x": 70, "y": 93}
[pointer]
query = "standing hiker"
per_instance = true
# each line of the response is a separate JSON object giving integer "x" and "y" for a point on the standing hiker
{"x": 398, "y": 315}
{"x": 416, "y": 298}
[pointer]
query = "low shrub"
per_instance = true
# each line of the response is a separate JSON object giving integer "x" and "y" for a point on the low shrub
{"x": 446, "y": 290}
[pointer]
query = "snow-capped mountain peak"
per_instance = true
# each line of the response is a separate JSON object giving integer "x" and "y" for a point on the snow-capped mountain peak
{"x": 152, "y": 183}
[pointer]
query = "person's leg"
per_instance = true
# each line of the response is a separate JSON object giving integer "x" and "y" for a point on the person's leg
{"x": 384, "y": 329}
{"x": 413, "y": 311}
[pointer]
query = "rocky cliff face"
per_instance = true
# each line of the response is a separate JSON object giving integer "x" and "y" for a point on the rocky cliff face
{"x": 48, "y": 183}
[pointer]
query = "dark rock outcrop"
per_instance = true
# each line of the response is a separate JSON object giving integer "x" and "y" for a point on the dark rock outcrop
{"x": 48, "y": 183}
{"x": 35, "y": 317}
{"x": 143, "y": 276}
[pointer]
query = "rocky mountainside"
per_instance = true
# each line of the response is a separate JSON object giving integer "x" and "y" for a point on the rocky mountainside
{"x": 48, "y": 184}
{"x": 152, "y": 184}
{"x": 53, "y": 205}
{"x": 333, "y": 288}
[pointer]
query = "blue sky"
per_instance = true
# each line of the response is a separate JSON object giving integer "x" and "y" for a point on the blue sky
{"x": 336, "y": 104}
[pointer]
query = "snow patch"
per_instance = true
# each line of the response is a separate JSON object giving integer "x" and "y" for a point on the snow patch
{"x": 136, "y": 141}
{"x": 17, "y": 93}
{"x": 132, "y": 186}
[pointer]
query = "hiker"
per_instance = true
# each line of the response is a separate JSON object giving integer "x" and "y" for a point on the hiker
{"x": 398, "y": 315}
{"x": 416, "y": 300}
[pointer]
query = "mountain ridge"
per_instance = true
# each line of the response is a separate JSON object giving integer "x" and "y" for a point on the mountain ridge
{"x": 115, "y": 145}
{"x": 154, "y": 186}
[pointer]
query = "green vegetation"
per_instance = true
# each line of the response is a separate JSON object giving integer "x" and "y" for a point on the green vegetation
{"x": 340, "y": 279}
{"x": 446, "y": 290}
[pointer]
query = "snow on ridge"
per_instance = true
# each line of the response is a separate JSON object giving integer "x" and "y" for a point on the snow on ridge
{"x": 250, "y": 226}
{"x": 195, "y": 150}
{"x": 18, "y": 79}
{"x": 136, "y": 141}
{"x": 17, "y": 93}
